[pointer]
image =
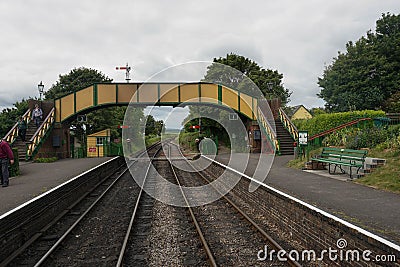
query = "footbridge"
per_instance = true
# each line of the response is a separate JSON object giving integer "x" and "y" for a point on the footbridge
{"x": 100, "y": 95}
{"x": 161, "y": 94}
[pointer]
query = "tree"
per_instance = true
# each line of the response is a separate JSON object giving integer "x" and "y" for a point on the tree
{"x": 269, "y": 82}
{"x": 98, "y": 120}
{"x": 9, "y": 116}
{"x": 154, "y": 127}
{"x": 77, "y": 78}
{"x": 392, "y": 104}
{"x": 368, "y": 73}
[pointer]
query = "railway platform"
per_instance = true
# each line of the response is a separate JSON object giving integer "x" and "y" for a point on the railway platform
{"x": 37, "y": 178}
{"x": 375, "y": 210}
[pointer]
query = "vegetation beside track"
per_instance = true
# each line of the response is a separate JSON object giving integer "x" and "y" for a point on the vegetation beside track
{"x": 380, "y": 142}
{"x": 152, "y": 139}
{"x": 46, "y": 160}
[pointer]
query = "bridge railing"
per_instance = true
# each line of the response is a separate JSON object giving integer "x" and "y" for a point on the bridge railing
{"x": 288, "y": 124}
{"x": 37, "y": 139}
{"x": 12, "y": 135}
{"x": 268, "y": 130}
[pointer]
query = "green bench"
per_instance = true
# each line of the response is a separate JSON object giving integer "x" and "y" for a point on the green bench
{"x": 341, "y": 157}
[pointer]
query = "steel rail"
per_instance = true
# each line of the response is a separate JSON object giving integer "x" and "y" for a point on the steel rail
{"x": 128, "y": 231}
{"x": 61, "y": 239}
{"x": 207, "y": 249}
{"x": 251, "y": 221}
{"x": 40, "y": 233}
{"x": 68, "y": 231}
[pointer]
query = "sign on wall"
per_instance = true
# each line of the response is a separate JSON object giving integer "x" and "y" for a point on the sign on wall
{"x": 303, "y": 137}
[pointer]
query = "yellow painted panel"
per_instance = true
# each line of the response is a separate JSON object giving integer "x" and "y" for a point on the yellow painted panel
{"x": 230, "y": 98}
{"x": 106, "y": 93}
{"x": 245, "y": 105}
{"x": 126, "y": 92}
{"x": 58, "y": 109}
{"x": 103, "y": 133}
{"x": 84, "y": 99}
{"x": 67, "y": 106}
{"x": 169, "y": 93}
{"x": 255, "y": 108}
{"x": 209, "y": 93}
{"x": 190, "y": 92}
{"x": 148, "y": 93}
{"x": 92, "y": 145}
{"x": 301, "y": 113}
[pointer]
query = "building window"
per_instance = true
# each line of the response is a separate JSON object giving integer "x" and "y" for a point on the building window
{"x": 100, "y": 141}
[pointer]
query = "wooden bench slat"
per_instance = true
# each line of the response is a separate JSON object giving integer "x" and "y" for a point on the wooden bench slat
{"x": 342, "y": 157}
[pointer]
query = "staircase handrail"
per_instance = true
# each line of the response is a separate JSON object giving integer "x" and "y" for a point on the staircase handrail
{"x": 334, "y": 129}
{"x": 270, "y": 132}
{"x": 12, "y": 134}
{"x": 288, "y": 124}
{"x": 40, "y": 133}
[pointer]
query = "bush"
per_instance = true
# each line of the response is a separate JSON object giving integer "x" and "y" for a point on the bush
{"x": 187, "y": 140}
{"x": 356, "y": 138}
{"x": 367, "y": 138}
{"x": 323, "y": 122}
{"x": 46, "y": 160}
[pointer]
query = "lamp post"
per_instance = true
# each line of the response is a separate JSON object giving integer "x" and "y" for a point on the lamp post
{"x": 270, "y": 87}
{"x": 41, "y": 90}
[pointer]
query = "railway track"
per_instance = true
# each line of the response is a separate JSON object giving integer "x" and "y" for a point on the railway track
{"x": 120, "y": 224}
{"x": 229, "y": 236}
{"x": 90, "y": 230}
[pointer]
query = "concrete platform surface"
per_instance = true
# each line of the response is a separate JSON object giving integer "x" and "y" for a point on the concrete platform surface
{"x": 375, "y": 210}
{"x": 37, "y": 178}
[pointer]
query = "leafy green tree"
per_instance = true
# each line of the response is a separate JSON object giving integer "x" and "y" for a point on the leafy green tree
{"x": 392, "y": 104}
{"x": 9, "y": 116}
{"x": 97, "y": 120}
{"x": 154, "y": 127}
{"x": 368, "y": 73}
{"x": 77, "y": 78}
{"x": 269, "y": 82}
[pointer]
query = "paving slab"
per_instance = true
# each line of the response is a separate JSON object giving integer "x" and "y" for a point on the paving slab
{"x": 37, "y": 178}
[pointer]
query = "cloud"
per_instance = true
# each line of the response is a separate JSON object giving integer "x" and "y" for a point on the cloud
{"x": 44, "y": 38}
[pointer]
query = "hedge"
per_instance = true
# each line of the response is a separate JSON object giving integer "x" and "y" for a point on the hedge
{"x": 323, "y": 122}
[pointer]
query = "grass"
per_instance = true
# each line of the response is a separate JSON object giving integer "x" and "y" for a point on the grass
{"x": 386, "y": 177}
{"x": 46, "y": 160}
{"x": 187, "y": 141}
{"x": 299, "y": 163}
{"x": 152, "y": 140}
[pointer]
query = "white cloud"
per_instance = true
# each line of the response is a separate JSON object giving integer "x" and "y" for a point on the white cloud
{"x": 42, "y": 39}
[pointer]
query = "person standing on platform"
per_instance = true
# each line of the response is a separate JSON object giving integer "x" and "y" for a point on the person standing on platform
{"x": 22, "y": 128}
{"x": 37, "y": 114}
{"x": 6, "y": 155}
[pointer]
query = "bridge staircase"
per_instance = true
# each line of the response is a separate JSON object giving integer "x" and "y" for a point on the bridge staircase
{"x": 286, "y": 141}
{"x": 22, "y": 146}
{"x": 35, "y": 136}
{"x": 279, "y": 129}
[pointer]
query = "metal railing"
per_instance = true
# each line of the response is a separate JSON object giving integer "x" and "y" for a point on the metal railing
{"x": 288, "y": 124}
{"x": 12, "y": 135}
{"x": 37, "y": 139}
{"x": 269, "y": 131}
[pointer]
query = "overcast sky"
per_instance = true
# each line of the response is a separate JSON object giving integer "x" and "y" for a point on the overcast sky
{"x": 44, "y": 38}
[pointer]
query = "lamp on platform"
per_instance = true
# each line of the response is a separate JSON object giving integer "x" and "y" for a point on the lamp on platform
{"x": 41, "y": 89}
{"x": 270, "y": 86}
